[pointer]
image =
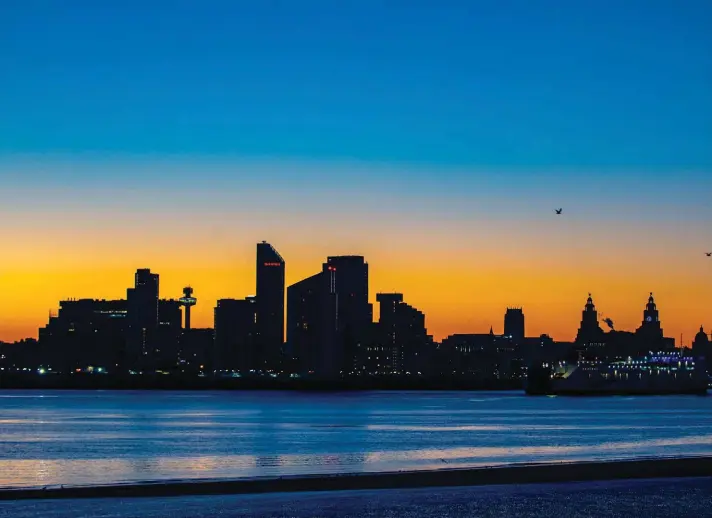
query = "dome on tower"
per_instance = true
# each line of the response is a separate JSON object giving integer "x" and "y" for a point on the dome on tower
{"x": 701, "y": 337}
{"x": 651, "y": 302}
{"x": 589, "y": 303}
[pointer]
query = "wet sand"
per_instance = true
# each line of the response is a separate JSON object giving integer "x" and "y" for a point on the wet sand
{"x": 623, "y": 498}
{"x": 518, "y": 474}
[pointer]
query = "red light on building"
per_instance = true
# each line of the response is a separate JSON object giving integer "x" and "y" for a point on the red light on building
{"x": 273, "y": 264}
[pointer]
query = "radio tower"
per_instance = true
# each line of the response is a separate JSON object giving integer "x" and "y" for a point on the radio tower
{"x": 188, "y": 301}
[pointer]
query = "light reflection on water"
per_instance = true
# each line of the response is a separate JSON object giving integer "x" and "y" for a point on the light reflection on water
{"x": 113, "y": 437}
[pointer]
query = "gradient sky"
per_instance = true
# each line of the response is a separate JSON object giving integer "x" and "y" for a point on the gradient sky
{"x": 435, "y": 138}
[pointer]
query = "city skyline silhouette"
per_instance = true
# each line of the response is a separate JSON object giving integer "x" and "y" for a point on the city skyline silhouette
{"x": 271, "y": 326}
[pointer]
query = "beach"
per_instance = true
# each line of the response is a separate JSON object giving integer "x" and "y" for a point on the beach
{"x": 650, "y": 498}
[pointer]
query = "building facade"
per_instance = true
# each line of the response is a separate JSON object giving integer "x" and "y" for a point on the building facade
{"x": 270, "y": 277}
{"x": 235, "y": 346}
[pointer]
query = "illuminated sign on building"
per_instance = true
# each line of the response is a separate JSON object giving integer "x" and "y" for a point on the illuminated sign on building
{"x": 273, "y": 264}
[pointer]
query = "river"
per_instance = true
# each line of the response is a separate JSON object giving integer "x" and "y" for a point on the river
{"x": 108, "y": 437}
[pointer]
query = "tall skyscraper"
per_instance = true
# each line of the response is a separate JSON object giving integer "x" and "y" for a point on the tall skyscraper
{"x": 142, "y": 302}
{"x": 270, "y": 304}
{"x": 235, "y": 332}
{"x": 312, "y": 326}
{"x": 514, "y": 325}
{"x": 349, "y": 280}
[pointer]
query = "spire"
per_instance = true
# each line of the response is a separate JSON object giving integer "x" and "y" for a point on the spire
{"x": 491, "y": 331}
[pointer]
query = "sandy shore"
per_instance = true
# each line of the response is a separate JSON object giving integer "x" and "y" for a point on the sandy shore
{"x": 519, "y": 474}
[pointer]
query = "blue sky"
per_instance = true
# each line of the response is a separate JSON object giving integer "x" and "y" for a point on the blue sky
{"x": 507, "y": 84}
{"x": 411, "y": 131}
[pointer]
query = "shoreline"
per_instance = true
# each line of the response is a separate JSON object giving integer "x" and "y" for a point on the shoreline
{"x": 686, "y": 467}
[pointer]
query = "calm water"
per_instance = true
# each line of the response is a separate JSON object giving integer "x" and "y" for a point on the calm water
{"x": 79, "y": 437}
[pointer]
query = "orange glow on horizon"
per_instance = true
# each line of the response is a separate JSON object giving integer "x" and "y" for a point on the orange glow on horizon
{"x": 464, "y": 295}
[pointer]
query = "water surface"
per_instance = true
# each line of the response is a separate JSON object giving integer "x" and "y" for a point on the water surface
{"x": 83, "y": 437}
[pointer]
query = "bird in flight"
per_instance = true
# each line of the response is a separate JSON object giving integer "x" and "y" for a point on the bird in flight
{"x": 708, "y": 254}
{"x": 558, "y": 211}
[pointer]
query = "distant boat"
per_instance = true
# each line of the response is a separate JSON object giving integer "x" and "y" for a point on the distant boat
{"x": 656, "y": 374}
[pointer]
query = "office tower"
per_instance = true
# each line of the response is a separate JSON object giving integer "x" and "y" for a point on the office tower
{"x": 142, "y": 304}
{"x": 312, "y": 326}
{"x": 86, "y": 333}
{"x": 270, "y": 305}
{"x": 164, "y": 348}
{"x": 196, "y": 351}
{"x": 235, "y": 332}
{"x": 514, "y": 325}
{"x": 402, "y": 338}
{"x": 349, "y": 280}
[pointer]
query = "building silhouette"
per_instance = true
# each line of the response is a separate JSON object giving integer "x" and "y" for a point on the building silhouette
{"x": 590, "y": 336}
{"x": 165, "y": 339}
{"x": 650, "y": 335}
{"x": 270, "y": 274}
{"x": 187, "y": 301}
{"x": 196, "y": 351}
{"x": 514, "y": 324}
{"x": 235, "y": 347}
{"x": 312, "y": 326}
{"x": 348, "y": 277}
{"x": 702, "y": 347}
{"x": 86, "y": 333}
{"x": 400, "y": 343}
{"x": 650, "y": 329}
{"x": 142, "y": 301}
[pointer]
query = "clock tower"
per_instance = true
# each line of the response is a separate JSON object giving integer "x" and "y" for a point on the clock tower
{"x": 590, "y": 333}
{"x": 651, "y": 311}
{"x": 650, "y": 327}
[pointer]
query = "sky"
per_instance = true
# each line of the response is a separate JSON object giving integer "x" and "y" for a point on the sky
{"x": 435, "y": 138}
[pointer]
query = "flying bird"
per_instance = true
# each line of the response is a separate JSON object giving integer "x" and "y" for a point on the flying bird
{"x": 558, "y": 211}
{"x": 708, "y": 254}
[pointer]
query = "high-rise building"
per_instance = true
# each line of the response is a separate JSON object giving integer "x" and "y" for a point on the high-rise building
{"x": 514, "y": 325}
{"x": 142, "y": 302}
{"x": 270, "y": 305}
{"x": 312, "y": 326}
{"x": 348, "y": 275}
{"x": 235, "y": 332}
{"x": 164, "y": 343}
{"x": 86, "y": 333}
{"x": 401, "y": 338}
